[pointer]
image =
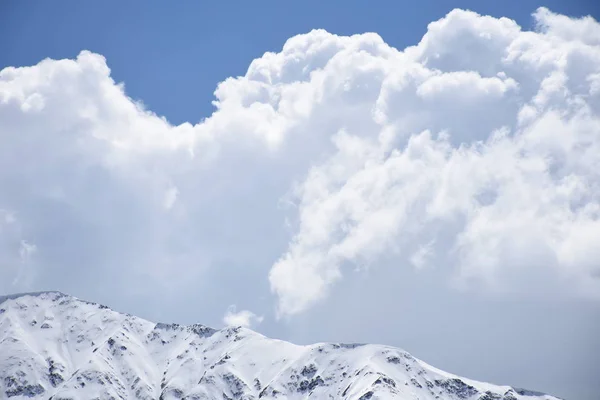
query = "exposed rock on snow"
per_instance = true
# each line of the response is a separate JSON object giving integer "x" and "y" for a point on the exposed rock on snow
{"x": 53, "y": 346}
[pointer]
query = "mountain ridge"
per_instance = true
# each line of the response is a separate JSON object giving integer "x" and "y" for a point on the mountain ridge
{"x": 56, "y": 346}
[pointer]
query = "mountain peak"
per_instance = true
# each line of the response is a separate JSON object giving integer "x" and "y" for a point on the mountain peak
{"x": 55, "y": 348}
{"x": 13, "y": 296}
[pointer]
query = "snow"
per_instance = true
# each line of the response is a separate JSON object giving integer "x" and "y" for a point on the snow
{"x": 54, "y": 346}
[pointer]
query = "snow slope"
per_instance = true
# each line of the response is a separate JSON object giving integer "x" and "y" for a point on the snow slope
{"x": 53, "y": 346}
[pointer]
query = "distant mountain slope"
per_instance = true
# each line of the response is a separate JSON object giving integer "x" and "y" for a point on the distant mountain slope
{"x": 54, "y": 346}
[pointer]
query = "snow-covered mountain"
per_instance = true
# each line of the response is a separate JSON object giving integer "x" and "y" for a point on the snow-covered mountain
{"x": 53, "y": 346}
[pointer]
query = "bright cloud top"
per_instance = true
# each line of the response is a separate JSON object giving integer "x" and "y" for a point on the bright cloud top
{"x": 476, "y": 151}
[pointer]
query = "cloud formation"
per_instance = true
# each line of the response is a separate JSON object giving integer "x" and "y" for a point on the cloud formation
{"x": 483, "y": 147}
{"x": 476, "y": 151}
{"x": 243, "y": 318}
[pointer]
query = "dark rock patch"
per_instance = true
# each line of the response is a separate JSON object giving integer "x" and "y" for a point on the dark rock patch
{"x": 21, "y": 387}
{"x": 309, "y": 385}
{"x": 367, "y": 395}
{"x": 54, "y": 373}
{"x": 309, "y": 371}
{"x": 394, "y": 360}
{"x": 383, "y": 379}
{"x": 236, "y": 385}
{"x": 457, "y": 387}
{"x": 490, "y": 396}
{"x": 415, "y": 383}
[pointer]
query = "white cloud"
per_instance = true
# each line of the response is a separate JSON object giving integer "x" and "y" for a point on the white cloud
{"x": 421, "y": 257}
{"x": 25, "y": 274}
{"x": 16, "y": 252}
{"x": 26, "y": 250}
{"x": 468, "y": 146}
{"x": 584, "y": 29}
{"x": 243, "y": 318}
{"x": 7, "y": 217}
{"x": 478, "y": 146}
{"x": 171, "y": 197}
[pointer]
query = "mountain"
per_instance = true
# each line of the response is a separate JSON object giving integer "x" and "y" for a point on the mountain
{"x": 54, "y": 346}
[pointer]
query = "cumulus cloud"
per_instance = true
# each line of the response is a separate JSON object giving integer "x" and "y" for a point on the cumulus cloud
{"x": 421, "y": 257}
{"x": 486, "y": 152}
{"x": 16, "y": 253}
{"x": 243, "y": 318}
{"x": 478, "y": 146}
{"x": 584, "y": 29}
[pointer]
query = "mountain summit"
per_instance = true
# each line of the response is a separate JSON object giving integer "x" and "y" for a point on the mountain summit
{"x": 54, "y": 346}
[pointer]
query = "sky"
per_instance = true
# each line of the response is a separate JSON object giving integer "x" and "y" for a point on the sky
{"x": 423, "y": 175}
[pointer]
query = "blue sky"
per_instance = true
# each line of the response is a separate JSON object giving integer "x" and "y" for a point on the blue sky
{"x": 186, "y": 49}
{"x": 442, "y": 199}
